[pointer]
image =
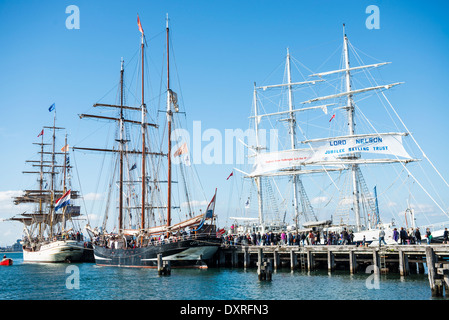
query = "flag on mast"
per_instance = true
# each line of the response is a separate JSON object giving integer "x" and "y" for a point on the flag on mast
{"x": 63, "y": 201}
{"x": 41, "y": 134}
{"x": 183, "y": 149}
{"x": 232, "y": 173}
{"x": 332, "y": 118}
{"x": 65, "y": 148}
{"x": 140, "y": 26}
{"x": 211, "y": 207}
{"x": 52, "y": 107}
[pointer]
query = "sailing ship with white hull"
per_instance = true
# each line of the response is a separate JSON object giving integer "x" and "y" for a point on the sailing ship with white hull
{"x": 337, "y": 157}
{"x": 143, "y": 228}
{"x": 47, "y": 237}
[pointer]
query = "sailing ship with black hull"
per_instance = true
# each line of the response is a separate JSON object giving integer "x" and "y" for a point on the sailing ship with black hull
{"x": 143, "y": 226}
{"x": 51, "y": 231}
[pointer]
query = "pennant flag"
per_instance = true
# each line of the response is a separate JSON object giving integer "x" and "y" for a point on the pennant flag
{"x": 65, "y": 148}
{"x": 247, "y": 204}
{"x": 232, "y": 173}
{"x": 332, "y": 118}
{"x": 140, "y": 26}
{"x": 63, "y": 201}
{"x": 134, "y": 166}
{"x": 181, "y": 150}
{"x": 52, "y": 107}
{"x": 46, "y": 185}
{"x": 41, "y": 134}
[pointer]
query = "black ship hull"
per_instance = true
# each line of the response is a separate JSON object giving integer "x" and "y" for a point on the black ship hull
{"x": 193, "y": 252}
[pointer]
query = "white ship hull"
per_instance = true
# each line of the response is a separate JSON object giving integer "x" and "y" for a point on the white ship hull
{"x": 57, "y": 251}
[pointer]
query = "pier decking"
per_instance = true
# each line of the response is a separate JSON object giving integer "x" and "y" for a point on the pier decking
{"x": 402, "y": 259}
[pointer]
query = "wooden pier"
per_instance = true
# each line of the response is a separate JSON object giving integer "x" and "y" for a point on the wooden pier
{"x": 402, "y": 259}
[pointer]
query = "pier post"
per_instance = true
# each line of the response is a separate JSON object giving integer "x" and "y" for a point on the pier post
{"x": 293, "y": 260}
{"x": 277, "y": 260}
{"x": 376, "y": 261}
{"x": 404, "y": 268}
{"x": 436, "y": 285}
{"x": 352, "y": 262}
{"x": 310, "y": 262}
{"x": 163, "y": 267}
{"x": 221, "y": 258}
{"x": 264, "y": 268}
{"x": 421, "y": 267}
{"x": 246, "y": 257}
{"x": 234, "y": 258}
{"x": 330, "y": 261}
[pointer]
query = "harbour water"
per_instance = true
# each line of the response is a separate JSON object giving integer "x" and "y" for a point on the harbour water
{"x": 86, "y": 281}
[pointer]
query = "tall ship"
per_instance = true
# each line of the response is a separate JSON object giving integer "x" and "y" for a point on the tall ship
{"x": 325, "y": 144}
{"x": 147, "y": 221}
{"x": 52, "y": 231}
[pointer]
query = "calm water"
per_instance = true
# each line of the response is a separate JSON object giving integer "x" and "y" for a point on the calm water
{"x": 24, "y": 281}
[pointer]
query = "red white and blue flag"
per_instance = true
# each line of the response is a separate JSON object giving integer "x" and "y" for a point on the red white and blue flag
{"x": 211, "y": 207}
{"x": 63, "y": 201}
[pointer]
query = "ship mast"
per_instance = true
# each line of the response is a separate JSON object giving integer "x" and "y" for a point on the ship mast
{"x": 52, "y": 185}
{"x": 64, "y": 187}
{"x": 169, "y": 122}
{"x": 351, "y": 125}
{"x": 258, "y": 180}
{"x": 120, "y": 216}
{"x": 292, "y": 122}
{"x": 143, "y": 141}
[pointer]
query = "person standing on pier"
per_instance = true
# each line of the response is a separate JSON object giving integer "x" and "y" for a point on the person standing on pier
{"x": 403, "y": 235}
{"x": 395, "y": 234}
{"x": 428, "y": 236}
{"x": 418, "y": 236}
{"x": 381, "y": 237}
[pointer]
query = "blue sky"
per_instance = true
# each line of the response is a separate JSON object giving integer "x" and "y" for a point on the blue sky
{"x": 221, "y": 48}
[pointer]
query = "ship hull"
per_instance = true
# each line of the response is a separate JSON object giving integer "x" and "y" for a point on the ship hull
{"x": 57, "y": 251}
{"x": 191, "y": 253}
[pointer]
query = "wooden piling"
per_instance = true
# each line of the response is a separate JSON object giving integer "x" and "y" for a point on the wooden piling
{"x": 436, "y": 285}
{"x": 404, "y": 268}
{"x": 246, "y": 257}
{"x": 293, "y": 260}
{"x": 376, "y": 261}
{"x": 352, "y": 262}
{"x": 330, "y": 261}
{"x": 276, "y": 259}
{"x": 234, "y": 258}
{"x": 264, "y": 267}
{"x": 163, "y": 267}
{"x": 310, "y": 260}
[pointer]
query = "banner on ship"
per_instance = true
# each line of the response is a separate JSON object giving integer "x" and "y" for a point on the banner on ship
{"x": 331, "y": 149}
{"x": 273, "y": 161}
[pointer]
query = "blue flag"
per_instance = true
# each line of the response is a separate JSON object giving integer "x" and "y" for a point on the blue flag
{"x": 52, "y": 107}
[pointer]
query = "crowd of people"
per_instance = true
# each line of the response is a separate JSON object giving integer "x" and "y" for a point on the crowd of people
{"x": 345, "y": 237}
{"x": 290, "y": 238}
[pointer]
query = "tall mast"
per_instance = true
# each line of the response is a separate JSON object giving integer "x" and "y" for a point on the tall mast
{"x": 258, "y": 180}
{"x": 143, "y": 142}
{"x": 292, "y": 122}
{"x": 64, "y": 181}
{"x": 41, "y": 182}
{"x": 351, "y": 125}
{"x": 120, "y": 216}
{"x": 52, "y": 185}
{"x": 169, "y": 121}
